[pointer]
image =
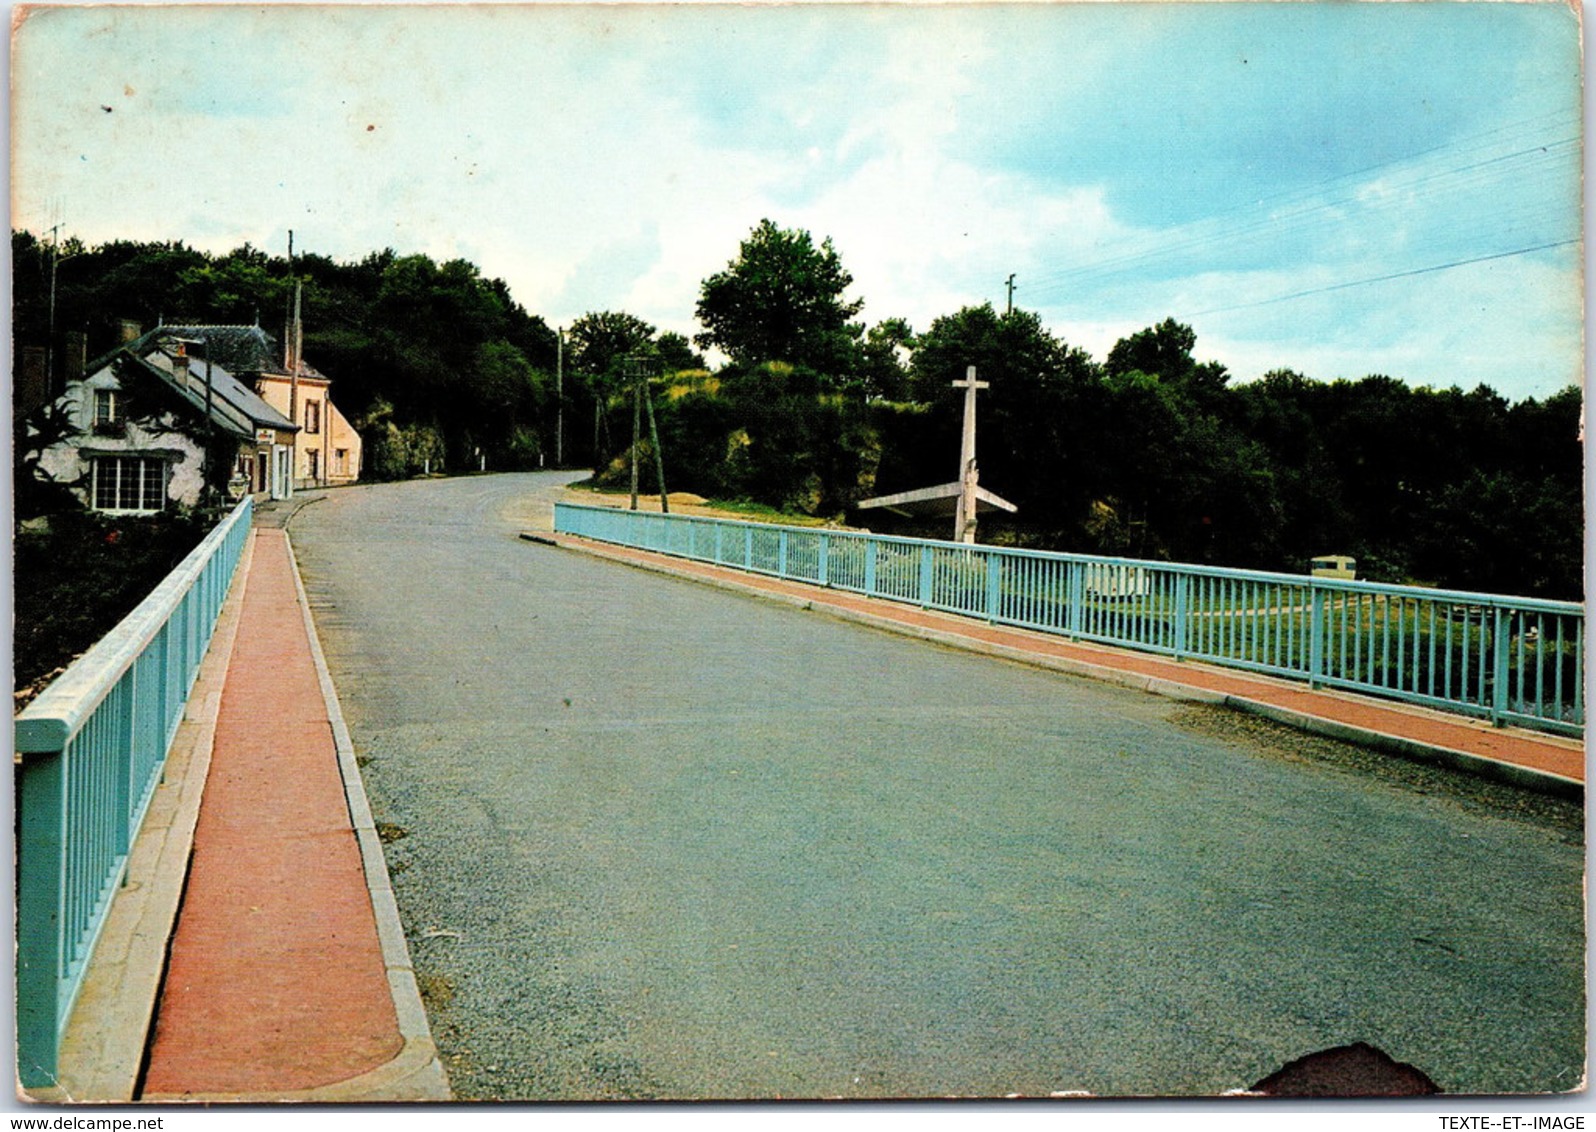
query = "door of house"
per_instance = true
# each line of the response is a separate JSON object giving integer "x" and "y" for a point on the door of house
{"x": 282, "y": 472}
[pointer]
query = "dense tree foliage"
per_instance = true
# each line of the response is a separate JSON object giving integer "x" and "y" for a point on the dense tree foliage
{"x": 436, "y": 365}
{"x": 781, "y": 300}
{"x": 1151, "y": 452}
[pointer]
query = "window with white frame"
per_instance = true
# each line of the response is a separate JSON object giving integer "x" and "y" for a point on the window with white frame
{"x": 312, "y": 416}
{"x": 129, "y": 483}
{"x": 105, "y": 407}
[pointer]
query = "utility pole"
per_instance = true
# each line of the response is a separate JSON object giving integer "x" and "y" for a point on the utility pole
{"x": 1011, "y": 294}
{"x": 49, "y": 343}
{"x": 559, "y": 399}
{"x": 659, "y": 459}
{"x": 637, "y": 371}
{"x": 287, "y": 308}
{"x": 637, "y": 421}
{"x": 210, "y": 421}
{"x": 293, "y": 370}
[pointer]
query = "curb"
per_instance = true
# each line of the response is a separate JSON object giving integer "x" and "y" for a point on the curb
{"x": 276, "y": 514}
{"x": 1416, "y": 750}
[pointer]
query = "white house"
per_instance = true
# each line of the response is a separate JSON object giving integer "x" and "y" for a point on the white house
{"x": 147, "y": 417}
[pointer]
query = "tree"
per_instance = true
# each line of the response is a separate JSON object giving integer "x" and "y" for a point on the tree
{"x": 34, "y": 490}
{"x": 596, "y": 347}
{"x": 781, "y": 300}
{"x": 1165, "y": 352}
{"x": 676, "y": 353}
{"x": 1025, "y": 448}
{"x": 600, "y": 339}
{"x": 882, "y": 371}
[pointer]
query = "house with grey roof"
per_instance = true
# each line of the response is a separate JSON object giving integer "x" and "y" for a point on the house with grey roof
{"x": 154, "y": 422}
{"x": 327, "y": 450}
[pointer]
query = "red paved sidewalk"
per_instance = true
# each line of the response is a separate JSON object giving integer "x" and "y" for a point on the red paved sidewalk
{"x": 277, "y": 982}
{"x": 1374, "y": 719}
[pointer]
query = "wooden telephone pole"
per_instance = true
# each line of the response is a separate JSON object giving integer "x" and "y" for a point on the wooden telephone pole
{"x": 559, "y": 400}
{"x": 634, "y": 373}
{"x": 638, "y": 371}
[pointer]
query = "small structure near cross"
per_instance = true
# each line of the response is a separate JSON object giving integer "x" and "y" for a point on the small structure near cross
{"x": 965, "y": 497}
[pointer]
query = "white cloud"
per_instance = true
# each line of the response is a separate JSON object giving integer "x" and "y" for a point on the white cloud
{"x": 600, "y": 160}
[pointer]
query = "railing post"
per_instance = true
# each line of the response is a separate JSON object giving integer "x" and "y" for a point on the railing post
{"x": 823, "y": 566}
{"x": 925, "y": 576}
{"x": 41, "y": 867}
{"x": 748, "y": 548}
{"x": 870, "y": 568}
{"x": 127, "y": 731}
{"x": 781, "y": 554}
{"x": 1182, "y": 612}
{"x": 994, "y": 585}
{"x": 1499, "y": 658}
{"x": 1316, "y": 603}
{"x": 1076, "y": 590}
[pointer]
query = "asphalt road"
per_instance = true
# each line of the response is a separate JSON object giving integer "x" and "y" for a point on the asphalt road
{"x": 652, "y": 839}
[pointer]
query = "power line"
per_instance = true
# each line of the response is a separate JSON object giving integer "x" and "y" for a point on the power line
{"x": 1384, "y": 278}
{"x": 1471, "y": 164}
{"x": 1312, "y": 196}
{"x": 1401, "y": 198}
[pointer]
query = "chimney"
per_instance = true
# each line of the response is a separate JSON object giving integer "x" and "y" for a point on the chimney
{"x": 180, "y": 363}
{"x": 76, "y": 358}
{"x": 32, "y": 384}
{"x": 130, "y": 330}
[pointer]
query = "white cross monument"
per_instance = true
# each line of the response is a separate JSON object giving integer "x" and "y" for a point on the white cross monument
{"x": 965, "y": 494}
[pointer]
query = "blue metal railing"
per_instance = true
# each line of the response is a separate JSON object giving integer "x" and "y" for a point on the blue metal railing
{"x": 1506, "y": 659}
{"x": 90, "y": 752}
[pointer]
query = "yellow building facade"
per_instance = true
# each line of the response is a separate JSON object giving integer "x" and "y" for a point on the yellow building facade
{"x": 327, "y": 449}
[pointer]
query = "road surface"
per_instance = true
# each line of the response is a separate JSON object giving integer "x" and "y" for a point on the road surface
{"x": 652, "y": 839}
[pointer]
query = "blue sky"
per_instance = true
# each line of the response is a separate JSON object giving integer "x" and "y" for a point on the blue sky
{"x": 1338, "y": 188}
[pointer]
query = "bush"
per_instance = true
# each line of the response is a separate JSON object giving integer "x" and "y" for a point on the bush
{"x": 80, "y": 574}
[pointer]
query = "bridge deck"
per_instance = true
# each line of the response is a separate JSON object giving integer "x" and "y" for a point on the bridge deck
{"x": 1543, "y": 761}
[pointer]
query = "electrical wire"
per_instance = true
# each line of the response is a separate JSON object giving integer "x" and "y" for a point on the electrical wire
{"x": 1472, "y": 166}
{"x": 1305, "y": 203}
{"x": 1383, "y": 278}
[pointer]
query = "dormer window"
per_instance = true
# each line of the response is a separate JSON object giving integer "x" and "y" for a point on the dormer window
{"x": 107, "y": 413}
{"x": 105, "y": 407}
